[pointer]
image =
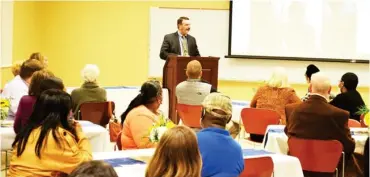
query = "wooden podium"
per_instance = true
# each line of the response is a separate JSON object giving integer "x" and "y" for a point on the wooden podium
{"x": 174, "y": 72}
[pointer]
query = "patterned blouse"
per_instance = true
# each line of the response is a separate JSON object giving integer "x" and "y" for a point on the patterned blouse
{"x": 274, "y": 98}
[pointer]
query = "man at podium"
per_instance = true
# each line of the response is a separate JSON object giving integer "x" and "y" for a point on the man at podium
{"x": 180, "y": 42}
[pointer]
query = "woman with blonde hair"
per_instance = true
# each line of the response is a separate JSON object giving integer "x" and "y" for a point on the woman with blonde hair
{"x": 177, "y": 155}
{"x": 16, "y": 68}
{"x": 275, "y": 95}
{"x": 38, "y": 56}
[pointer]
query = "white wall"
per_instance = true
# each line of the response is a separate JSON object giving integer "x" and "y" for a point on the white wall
{"x": 212, "y": 40}
{"x": 259, "y": 70}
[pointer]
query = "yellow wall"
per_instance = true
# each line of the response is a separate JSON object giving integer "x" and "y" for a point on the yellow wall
{"x": 26, "y": 36}
{"x": 113, "y": 35}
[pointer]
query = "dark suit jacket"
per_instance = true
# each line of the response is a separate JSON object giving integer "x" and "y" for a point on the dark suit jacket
{"x": 317, "y": 119}
{"x": 349, "y": 101}
{"x": 171, "y": 45}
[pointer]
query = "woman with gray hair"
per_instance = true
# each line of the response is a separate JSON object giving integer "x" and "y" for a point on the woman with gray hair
{"x": 90, "y": 90}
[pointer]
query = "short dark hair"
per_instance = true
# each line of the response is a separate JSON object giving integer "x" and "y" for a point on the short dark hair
{"x": 311, "y": 69}
{"x": 37, "y": 78}
{"x": 179, "y": 21}
{"x": 350, "y": 81}
{"x": 29, "y": 67}
{"x": 52, "y": 83}
{"x": 95, "y": 168}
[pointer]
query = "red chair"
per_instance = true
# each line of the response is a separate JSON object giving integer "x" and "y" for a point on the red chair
{"x": 190, "y": 114}
{"x": 317, "y": 155}
{"x": 354, "y": 123}
{"x": 255, "y": 120}
{"x": 258, "y": 167}
{"x": 96, "y": 113}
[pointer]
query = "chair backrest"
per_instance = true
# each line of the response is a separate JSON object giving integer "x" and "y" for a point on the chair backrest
{"x": 119, "y": 143}
{"x": 190, "y": 114}
{"x": 255, "y": 120}
{"x": 354, "y": 123}
{"x": 96, "y": 113}
{"x": 316, "y": 155}
{"x": 258, "y": 167}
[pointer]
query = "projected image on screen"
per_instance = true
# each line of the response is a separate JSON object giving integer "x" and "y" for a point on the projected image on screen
{"x": 337, "y": 29}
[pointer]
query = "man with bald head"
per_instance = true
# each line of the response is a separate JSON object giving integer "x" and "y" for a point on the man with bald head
{"x": 194, "y": 89}
{"x": 317, "y": 119}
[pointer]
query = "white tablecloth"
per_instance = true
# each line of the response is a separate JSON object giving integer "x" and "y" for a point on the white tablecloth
{"x": 122, "y": 96}
{"x": 283, "y": 165}
{"x": 277, "y": 142}
{"x": 97, "y": 135}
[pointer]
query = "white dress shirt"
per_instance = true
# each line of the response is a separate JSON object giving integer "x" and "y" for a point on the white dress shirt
{"x": 15, "y": 90}
{"x": 192, "y": 92}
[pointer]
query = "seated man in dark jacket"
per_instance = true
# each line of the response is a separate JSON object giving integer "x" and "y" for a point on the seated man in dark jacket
{"x": 317, "y": 119}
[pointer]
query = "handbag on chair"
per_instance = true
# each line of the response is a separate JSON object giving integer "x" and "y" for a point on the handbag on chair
{"x": 114, "y": 126}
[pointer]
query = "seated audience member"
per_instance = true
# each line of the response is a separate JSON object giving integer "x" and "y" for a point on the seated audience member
{"x": 140, "y": 115}
{"x": 90, "y": 90}
{"x": 221, "y": 154}
{"x": 50, "y": 143}
{"x": 193, "y": 90}
{"x": 275, "y": 95}
{"x": 177, "y": 155}
{"x": 18, "y": 87}
{"x": 41, "y": 81}
{"x": 25, "y": 106}
{"x": 311, "y": 69}
{"x": 366, "y": 158}
{"x": 39, "y": 57}
{"x": 349, "y": 99}
{"x": 317, "y": 119}
{"x": 16, "y": 68}
{"x": 95, "y": 168}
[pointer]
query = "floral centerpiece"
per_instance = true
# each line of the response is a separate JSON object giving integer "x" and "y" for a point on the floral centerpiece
{"x": 5, "y": 105}
{"x": 364, "y": 111}
{"x": 158, "y": 128}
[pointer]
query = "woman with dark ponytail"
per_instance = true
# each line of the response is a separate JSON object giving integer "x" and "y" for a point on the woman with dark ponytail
{"x": 140, "y": 115}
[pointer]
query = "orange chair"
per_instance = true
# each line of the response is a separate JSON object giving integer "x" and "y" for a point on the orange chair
{"x": 190, "y": 114}
{"x": 96, "y": 113}
{"x": 354, "y": 123}
{"x": 258, "y": 167}
{"x": 255, "y": 120}
{"x": 317, "y": 155}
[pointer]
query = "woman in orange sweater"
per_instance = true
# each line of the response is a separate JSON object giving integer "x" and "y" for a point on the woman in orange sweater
{"x": 276, "y": 94}
{"x": 50, "y": 144}
{"x": 140, "y": 116}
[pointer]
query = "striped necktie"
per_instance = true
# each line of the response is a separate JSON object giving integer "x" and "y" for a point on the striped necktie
{"x": 184, "y": 46}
